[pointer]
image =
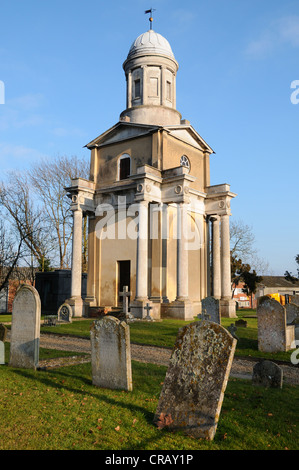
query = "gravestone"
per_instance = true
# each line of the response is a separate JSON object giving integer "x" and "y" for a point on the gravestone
{"x": 294, "y": 299}
{"x": 267, "y": 374}
{"x": 204, "y": 316}
{"x": 111, "y": 354}
{"x": 241, "y": 323}
{"x": 232, "y": 329}
{"x": 25, "y": 328}
{"x": 64, "y": 313}
{"x": 193, "y": 390}
{"x": 3, "y": 332}
{"x": 211, "y": 306}
{"x": 148, "y": 308}
{"x": 125, "y": 294}
{"x": 292, "y": 311}
{"x": 274, "y": 334}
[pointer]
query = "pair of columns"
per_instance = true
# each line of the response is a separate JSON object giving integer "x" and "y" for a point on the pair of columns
{"x": 142, "y": 254}
{"x": 142, "y": 258}
{"x": 221, "y": 263}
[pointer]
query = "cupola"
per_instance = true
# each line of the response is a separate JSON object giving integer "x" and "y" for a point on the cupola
{"x": 150, "y": 70}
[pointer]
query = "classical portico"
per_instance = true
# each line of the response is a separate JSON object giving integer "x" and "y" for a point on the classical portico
{"x": 156, "y": 225}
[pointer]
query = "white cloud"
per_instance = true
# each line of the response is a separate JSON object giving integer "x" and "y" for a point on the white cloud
{"x": 28, "y": 101}
{"x": 68, "y": 132}
{"x": 20, "y": 155}
{"x": 281, "y": 32}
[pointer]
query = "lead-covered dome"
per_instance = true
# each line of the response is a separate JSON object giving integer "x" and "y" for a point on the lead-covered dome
{"x": 151, "y": 42}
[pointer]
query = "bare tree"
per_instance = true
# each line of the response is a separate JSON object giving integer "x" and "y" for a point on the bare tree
{"x": 49, "y": 178}
{"x": 242, "y": 240}
{"x": 26, "y": 216}
{"x": 10, "y": 254}
{"x": 243, "y": 247}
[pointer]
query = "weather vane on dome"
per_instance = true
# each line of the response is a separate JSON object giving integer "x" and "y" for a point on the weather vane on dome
{"x": 151, "y": 17}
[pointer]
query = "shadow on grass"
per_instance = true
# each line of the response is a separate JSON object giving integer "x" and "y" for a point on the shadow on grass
{"x": 59, "y": 380}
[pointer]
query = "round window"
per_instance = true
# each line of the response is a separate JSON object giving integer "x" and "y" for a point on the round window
{"x": 185, "y": 162}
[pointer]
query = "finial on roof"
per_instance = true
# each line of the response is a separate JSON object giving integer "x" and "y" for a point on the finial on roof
{"x": 151, "y": 16}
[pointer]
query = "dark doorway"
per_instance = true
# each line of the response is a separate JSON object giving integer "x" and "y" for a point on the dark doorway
{"x": 124, "y": 275}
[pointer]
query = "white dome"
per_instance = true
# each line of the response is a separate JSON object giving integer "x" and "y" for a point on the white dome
{"x": 151, "y": 43}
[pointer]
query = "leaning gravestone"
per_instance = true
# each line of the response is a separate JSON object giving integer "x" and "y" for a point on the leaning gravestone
{"x": 25, "y": 328}
{"x": 193, "y": 390}
{"x": 111, "y": 354}
{"x": 267, "y": 374}
{"x": 274, "y": 334}
{"x": 211, "y": 307}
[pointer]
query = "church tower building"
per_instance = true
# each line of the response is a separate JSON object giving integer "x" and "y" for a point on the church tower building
{"x": 156, "y": 225}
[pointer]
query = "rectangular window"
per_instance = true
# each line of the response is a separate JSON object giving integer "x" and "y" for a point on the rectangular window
{"x": 124, "y": 168}
{"x": 168, "y": 90}
{"x": 153, "y": 86}
{"x": 137, "y": 88}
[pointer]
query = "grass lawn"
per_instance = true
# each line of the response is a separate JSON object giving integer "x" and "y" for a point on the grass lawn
{"x": 163, "y": 333}
{"x": 61, "y": 410}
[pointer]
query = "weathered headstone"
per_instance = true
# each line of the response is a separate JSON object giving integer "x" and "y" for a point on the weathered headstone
{"x": 211, "y": 306}
{"x": 25, "y": 328}
{"x": 64, "y": 313}
{"x": 273, "y": 333}
{"x": 292, "y": 311}
{"x": 111, "y": 354}
{"x": 3, "y": 332}
{"x": 267, "y": 374}
{"x": 193, "y": 390}
{"x": 294, "y": 299}
{"x": 241, "y": 323}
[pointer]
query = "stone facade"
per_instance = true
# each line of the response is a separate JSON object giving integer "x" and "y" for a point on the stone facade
{"x": 150, "y": 203}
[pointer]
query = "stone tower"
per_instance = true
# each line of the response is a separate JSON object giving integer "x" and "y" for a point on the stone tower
{"x": 153, "y": 214}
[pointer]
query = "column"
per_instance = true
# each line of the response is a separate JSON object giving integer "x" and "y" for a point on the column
{"x": 216, "y": 257}
{"x": 129, "y": 90}
{"x": 91, "y": 276}
{"x": 144, "y": 91}
{"x": 225, "y": 259}
{"x": 142, "y": 253}
{"x": 182, "y": 254}
{"x": 164, "y": 236}
{"x": 76, "y": 278}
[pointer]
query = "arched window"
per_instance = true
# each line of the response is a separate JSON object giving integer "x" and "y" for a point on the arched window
{"x": 124, "y": 166}
{"x": 184, "y": 161}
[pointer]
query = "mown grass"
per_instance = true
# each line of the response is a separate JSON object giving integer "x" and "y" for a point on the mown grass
{"x": 163, "y": 334}
{"x": 61, "y": 410}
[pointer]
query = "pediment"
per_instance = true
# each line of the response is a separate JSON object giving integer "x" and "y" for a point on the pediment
{"x": 120, "y": 132}
{"x": 189, "y": 136}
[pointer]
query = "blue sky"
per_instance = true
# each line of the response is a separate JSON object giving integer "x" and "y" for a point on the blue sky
{"x": 61, "y": 64}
